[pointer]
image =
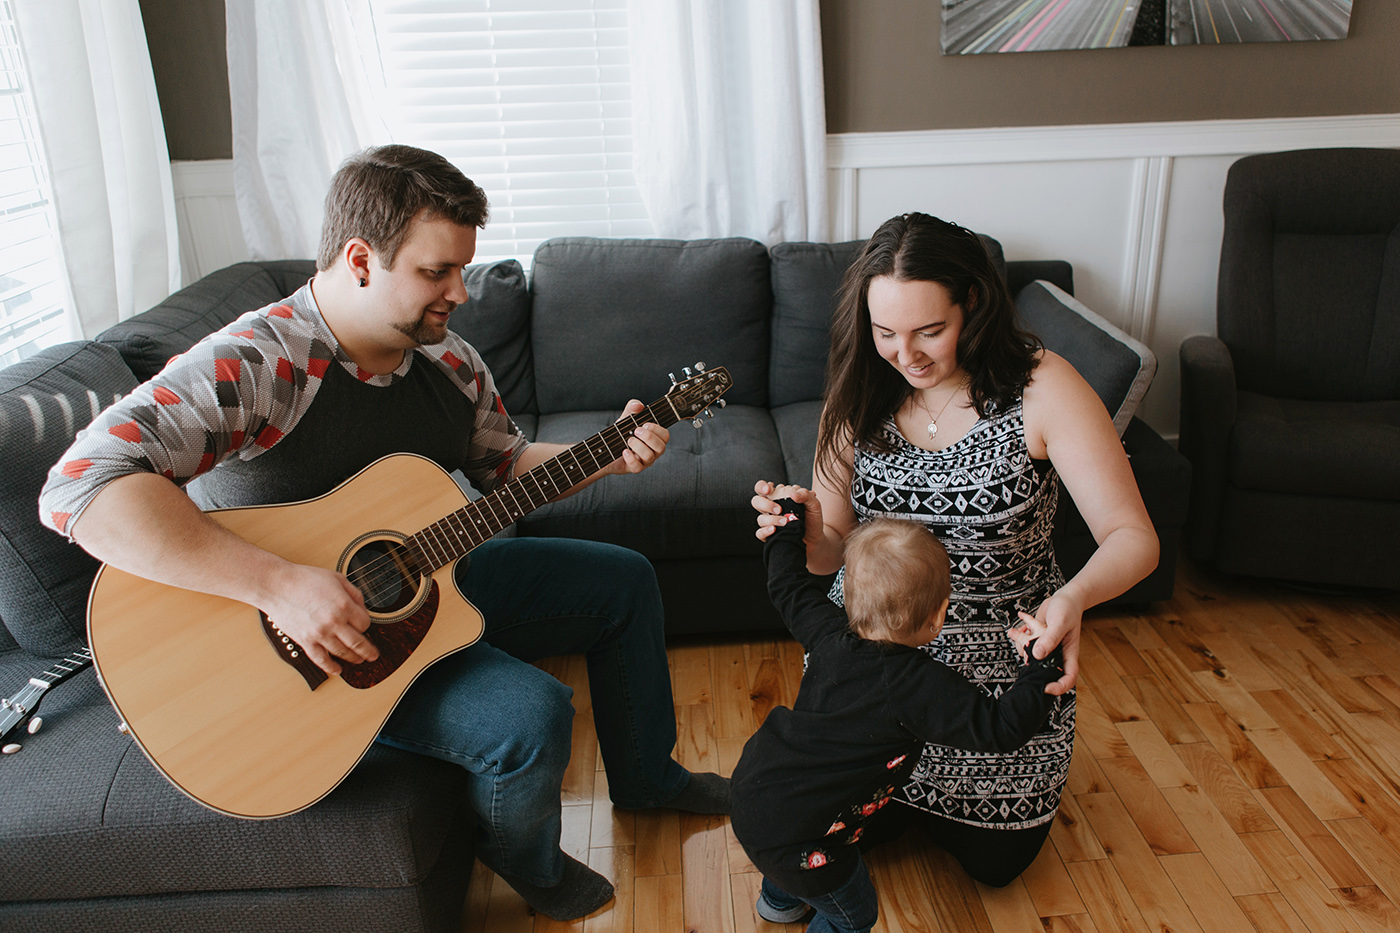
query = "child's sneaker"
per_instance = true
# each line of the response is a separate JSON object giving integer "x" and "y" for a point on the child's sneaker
{"x": 792, "y": 915}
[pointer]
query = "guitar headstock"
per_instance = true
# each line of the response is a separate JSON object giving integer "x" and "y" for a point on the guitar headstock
{"x": 698, "y": 391}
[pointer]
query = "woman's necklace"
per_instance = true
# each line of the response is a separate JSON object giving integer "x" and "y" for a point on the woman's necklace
{"x": 932, "y": 418}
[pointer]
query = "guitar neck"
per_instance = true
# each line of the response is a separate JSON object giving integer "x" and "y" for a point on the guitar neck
{"x": 449, "y": 538}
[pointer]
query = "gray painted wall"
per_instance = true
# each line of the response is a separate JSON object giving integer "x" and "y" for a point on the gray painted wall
{"x": 884, "y": 72}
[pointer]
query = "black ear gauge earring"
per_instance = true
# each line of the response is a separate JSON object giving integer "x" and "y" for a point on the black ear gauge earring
{"x": 363, "y": 281}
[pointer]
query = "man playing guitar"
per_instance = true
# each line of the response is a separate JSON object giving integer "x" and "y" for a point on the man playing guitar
{"x": 290, "y": 401}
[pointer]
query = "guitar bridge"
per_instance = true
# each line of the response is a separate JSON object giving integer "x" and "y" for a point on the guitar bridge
{"x": 292, "y": 653}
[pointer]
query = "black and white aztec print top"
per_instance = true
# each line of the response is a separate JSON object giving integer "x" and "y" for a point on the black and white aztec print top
{"x": 993, "y": 508}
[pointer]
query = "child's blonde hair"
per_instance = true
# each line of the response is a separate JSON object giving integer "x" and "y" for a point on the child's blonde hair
{"x": 897, "y": 576}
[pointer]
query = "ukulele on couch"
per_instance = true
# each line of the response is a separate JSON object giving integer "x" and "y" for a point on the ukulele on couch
{"x": 229, "y": 708}
{"x": 17, "y": 712}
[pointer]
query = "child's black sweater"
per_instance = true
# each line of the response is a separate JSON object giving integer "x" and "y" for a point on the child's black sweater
{"x": 811, "y": 776}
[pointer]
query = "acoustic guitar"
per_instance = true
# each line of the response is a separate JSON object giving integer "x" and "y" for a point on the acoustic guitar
{"x": 230, "y": 709}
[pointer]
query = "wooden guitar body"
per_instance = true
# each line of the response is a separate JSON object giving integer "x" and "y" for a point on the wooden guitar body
{"x": 214, "y": 697}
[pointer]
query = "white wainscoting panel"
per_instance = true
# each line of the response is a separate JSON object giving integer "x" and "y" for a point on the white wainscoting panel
{"x": 1136, "y": 208}
{"x": 211, "y": 236}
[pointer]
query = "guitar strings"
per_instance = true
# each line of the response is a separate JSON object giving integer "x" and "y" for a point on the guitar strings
{"x": 363, "y": 576}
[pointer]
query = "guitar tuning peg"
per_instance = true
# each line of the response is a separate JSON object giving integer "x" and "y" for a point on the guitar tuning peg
{"x": 699, "y": 367}
{"x": 34, "y": 724}
{"x": 10, "y": 749}
{"x": 123, "y": 728}
{"x": 709, "y": 414}
{"x": 722, "y": 403}
{"x": 686, "y": 370}
{"x": 698, "y": 424}
{"x": 673, "y": 378}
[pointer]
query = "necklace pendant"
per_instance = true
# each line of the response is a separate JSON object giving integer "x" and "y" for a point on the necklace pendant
{"x": 932, "y": 430}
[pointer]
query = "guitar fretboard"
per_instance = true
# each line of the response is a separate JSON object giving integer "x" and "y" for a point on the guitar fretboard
{"x": 449, "y": 538}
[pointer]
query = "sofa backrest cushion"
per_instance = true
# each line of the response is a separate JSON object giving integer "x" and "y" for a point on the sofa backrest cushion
{"x": 496, "y": 321}
{"x": 1116, "y": 365}
{"x": 612, "y": 317}
{"x": 44, "y": 401}
{"x": 148, "y": 340}
{"x": 806, "y": 281}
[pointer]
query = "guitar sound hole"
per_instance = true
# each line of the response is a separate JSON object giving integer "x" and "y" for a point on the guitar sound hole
{"x": 381, "y": 571}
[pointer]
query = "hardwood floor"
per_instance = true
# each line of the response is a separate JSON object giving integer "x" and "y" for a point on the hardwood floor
{"x": 1237, "y": 768}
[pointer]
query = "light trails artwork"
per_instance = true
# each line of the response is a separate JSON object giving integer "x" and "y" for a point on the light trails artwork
{"x": 976, "y": 26}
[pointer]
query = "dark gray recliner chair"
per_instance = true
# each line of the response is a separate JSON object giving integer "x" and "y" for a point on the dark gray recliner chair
{"x": 1291, "y": 416}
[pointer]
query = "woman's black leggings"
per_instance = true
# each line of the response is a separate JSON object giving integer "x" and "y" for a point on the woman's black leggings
{"x": 995, "y": 857}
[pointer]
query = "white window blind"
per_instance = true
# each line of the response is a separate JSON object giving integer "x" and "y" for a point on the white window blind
{"x": 32, "y": 294}
{"x": 531, "y": 99}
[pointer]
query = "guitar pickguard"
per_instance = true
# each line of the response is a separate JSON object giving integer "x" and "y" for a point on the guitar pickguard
{"x": 395, "y": 641}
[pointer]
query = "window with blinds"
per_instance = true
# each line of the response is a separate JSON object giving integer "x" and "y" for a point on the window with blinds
{"x": 32, "y": 295}
{"x": 531, "y": 99}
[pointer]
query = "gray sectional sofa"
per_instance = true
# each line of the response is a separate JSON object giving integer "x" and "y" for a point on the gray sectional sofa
{"x": 91, "y": 837}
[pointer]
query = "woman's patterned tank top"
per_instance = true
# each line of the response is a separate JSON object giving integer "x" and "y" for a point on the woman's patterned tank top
{"x": 993, "y": 508}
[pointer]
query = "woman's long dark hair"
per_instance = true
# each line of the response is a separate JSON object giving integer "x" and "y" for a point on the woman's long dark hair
{"x": 862, "y": 389}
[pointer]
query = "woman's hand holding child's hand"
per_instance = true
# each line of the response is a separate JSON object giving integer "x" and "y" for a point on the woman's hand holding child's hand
{"x": 1021, "y": 635}
{"x": 771, "y": 517}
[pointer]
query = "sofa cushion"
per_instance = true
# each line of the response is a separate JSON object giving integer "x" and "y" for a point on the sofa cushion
{"x": 1304, "y": 447}
{"x": 1118, "y": 366}
{"x": 496, "y": 321}
{"x": 148, "y": 340}
{"x": 82, "y": 796}
{"x": 694, "y": 502}
{"x": 44, "y": 401}
{"x": 797, "y": 433}
{"x": 806, "y": 282}
{"x": 613, "y": 317}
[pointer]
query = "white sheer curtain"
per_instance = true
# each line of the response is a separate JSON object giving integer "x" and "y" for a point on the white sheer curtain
{"x": 99, "y": 119}
{"x": 728, "y": 117}
{"x": 303, "y": 97}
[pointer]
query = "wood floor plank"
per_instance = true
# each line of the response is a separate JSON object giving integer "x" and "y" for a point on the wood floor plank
{"x": 954, "y": 899}
{"x": 1316, "y": 905}
{"x": 1153, "y": 815}
{"x": 1175, "y": 676}
{"x": 1306, "y": 732}
{"x": 1009, "y": 909}
{"x": 1157, "y": 900}
{"x": 1157, "y": 758}
{"x": 1085, "y": 775}
{"x": 616, "y": 864}
{"x": 1371, "y": 909}
{"x": 1242, "y": 664}
{"x": 1082, "y": 923}
{"x": 1378, "y": 854}
{"x": 1095, "y": 730}
{"x": 1214, "y": 908}
{"x": 1119, "y": 650}
{"x": 902, "y": 879}
{"x": 1110, "y": 904}
{"x": 709, "y": 905}
{"x": 1301, "y": 774}
{"x": 658, "y": 843}
{"x": 1271, "y": 913}
{"x": 1376, "y": 805}
{"x": 766, "y": 688}
{"x": 609, "y": 825}
{"x": 729, "y": 673}
{"x": 1232, "y": 863}
{"x": 1234, "y": 746}
{"x": 696, "y": 746}
{"x": 1049, "y": 886}
{"x": 1237, "y": 702}
{"x": 1311, "y": 837}
{"x": 1225, "y": 788}
{"x": 1099, "y": 675}
{"x": 1073, "y": 837}
{"x": 1341, "y": 688}
{"x": 1170, "y": 717}
{"x": 659, "y": 904}
{"x": 690, "y": 673}
{"x": 1186, "y": 645}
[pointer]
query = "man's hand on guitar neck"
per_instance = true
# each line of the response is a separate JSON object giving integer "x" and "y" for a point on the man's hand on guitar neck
{"x": 644, "y": 446}
{"x": 324, "y": 613}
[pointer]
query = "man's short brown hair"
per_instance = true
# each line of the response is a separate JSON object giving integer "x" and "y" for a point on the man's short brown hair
{"x": 376, "y": 194}
{"x": 897, "y": 575}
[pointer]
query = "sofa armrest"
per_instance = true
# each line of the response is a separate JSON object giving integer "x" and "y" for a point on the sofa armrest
{"x": 1209, "y": 403}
